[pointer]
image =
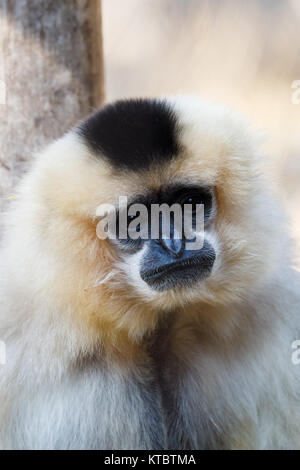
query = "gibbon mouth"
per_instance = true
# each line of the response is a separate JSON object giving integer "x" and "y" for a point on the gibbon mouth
{"x": 182, "y": 273}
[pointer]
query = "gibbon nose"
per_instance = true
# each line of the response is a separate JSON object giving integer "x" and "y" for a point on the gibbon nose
{"x": 173, "y": 246}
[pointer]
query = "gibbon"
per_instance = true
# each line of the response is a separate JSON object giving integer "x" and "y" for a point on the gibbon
{"x": 145, "y": 344}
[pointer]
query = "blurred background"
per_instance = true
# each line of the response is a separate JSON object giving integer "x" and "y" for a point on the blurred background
{"x": 243, "y": 54}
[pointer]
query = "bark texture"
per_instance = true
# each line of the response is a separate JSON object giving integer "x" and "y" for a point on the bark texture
{"x": 51, "y": 75}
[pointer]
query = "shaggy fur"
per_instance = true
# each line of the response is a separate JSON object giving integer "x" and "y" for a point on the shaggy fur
{"x": 96, "y": 359}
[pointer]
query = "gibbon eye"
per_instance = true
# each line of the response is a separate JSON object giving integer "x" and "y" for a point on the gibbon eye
{"x": 193, "y": 200}
{"x": 131, "y": 218}
{"x": 195, "y": 197}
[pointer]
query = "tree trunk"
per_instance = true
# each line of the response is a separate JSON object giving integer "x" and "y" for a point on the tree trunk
{"x": 51, "y": 75}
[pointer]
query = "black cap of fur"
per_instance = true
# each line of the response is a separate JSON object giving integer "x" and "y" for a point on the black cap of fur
{"x": 133, "y": 134}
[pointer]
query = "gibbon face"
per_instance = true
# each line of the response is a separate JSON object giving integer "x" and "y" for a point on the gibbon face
{"x": 177, "y": 150}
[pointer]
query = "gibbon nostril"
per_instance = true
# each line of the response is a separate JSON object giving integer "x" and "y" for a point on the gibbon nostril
{"x": 174, "y": 246}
